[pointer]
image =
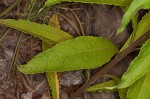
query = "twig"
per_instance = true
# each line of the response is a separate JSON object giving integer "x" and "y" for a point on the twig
{"x": 3, "y": 36}
{"x": 79, "y": 22}
{"x": 14, "y": 56}
{"x": 9, "y": 8}
{"x": 70, "y": 22}
{"x": 111, "y": 64}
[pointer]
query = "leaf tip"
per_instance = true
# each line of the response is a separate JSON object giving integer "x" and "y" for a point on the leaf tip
{"x": 20, "y": 68}
{"x": 23, "y": 69}
{"x": 121, "y": 28}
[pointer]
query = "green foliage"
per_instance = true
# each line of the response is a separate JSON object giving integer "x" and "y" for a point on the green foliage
{"x": 102, "y": 86}
{"x": 46, "y": 33}
{"x": 53, "y": 83}
{"x": 140, "y": 89}
{"x": 109, "y": 2}
{"x": 105, "y": 86}
{"x": 138, "y": 67}
{"x": 52, "y": 77}
{"x": 132, "y": 10}
{"x": 87, "y": 52}
{"x": 142, "y": 27}
{"x": 72, "y": 54}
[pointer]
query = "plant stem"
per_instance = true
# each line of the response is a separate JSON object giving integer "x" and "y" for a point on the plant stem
{"x": 111, "y": 64}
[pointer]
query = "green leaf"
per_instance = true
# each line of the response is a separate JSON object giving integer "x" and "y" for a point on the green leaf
{"x": 106, "y": 87}
{"x": 102, "y": 86}
{"x": 142, "y": 27}
{"x": 140, "y": 89}
{"x": 83, "y": 52}
{"x": 138, "y": 67}
{"x": 132, "y": 10}
{"x": 46, "y": 33}
{"x": 109, "y": 2}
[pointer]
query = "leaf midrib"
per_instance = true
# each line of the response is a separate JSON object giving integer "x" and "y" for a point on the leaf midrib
{"x": 142, "y": 86}
{"x": 96, "y": 49}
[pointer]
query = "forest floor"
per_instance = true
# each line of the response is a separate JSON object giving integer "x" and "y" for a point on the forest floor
{"x": 75, "y": 18}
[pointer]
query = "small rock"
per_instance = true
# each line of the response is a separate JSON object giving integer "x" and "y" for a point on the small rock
{"x": 71, "y": 78}
{"x": 27, "y": 95}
